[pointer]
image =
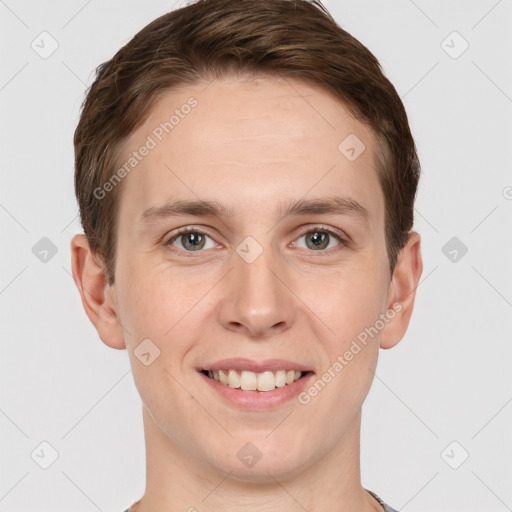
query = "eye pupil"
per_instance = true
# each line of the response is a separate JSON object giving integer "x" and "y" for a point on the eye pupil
{"x": 319, "y": 239}
{"x": 192, "y": 241}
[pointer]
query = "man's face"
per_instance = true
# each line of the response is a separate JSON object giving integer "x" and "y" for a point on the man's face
{"x": 258, "y": 285}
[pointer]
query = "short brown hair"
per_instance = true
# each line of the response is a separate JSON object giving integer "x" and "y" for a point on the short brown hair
{"x": 213, "y": 38}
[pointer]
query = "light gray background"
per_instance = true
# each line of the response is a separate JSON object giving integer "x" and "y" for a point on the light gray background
{"x": 448, "y": 380}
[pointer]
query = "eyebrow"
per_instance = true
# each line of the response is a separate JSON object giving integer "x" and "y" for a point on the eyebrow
{"x": 330, "y": 205}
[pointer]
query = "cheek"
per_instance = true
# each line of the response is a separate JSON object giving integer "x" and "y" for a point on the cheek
{"x": 152, "y": 301}
{"x": 348, "y": 301}
{"x": 351, "y": 355}
{"x": 351, "y": 308}
{"x": 159, "y": 320}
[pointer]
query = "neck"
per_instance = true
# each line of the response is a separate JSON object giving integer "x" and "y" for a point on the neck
{"x": 176, "y": 481}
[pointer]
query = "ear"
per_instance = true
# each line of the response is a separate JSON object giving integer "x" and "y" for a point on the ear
{"x": 402, "y": 291}
{"x": 98, "y": 297}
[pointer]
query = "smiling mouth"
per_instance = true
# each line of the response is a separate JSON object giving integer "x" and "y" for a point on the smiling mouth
{"x": 246, "y": 380}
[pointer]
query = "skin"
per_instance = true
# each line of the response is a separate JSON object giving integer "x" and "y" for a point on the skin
{"x": 250, "y": 144}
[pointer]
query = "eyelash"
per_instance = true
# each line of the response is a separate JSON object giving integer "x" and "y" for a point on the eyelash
{"x": 318, "y": 228}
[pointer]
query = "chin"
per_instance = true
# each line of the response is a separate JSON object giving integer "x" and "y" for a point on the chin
{"x": 259, "y": 461}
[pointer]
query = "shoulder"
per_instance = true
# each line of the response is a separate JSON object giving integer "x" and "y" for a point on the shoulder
{"x": 384, "y": 505}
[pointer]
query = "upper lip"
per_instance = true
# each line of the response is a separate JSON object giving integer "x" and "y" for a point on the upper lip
{"x": 240, "y": 363}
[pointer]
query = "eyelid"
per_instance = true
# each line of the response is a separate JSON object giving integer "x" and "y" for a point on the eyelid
{"x": 181, "y": 231}
{"x": 321, "y": 227}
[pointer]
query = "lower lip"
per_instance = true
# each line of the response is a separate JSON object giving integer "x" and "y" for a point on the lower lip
{"x": 258, "y": 400}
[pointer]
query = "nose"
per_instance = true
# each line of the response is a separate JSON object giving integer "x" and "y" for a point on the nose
{"x": 257, "y": 301}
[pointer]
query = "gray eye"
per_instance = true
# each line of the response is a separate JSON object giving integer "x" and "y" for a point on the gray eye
{"x": 319, "y": 240}
{"x": 191, "y": 241}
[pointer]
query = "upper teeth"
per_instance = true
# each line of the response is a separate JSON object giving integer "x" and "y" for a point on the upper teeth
{"x": 251, "y": 381}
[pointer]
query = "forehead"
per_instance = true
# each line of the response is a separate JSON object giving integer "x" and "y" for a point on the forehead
{"x": 249, "y": 143}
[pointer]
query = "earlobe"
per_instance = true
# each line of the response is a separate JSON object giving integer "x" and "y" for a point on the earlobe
{"x": 98, "y": 297}
{"x": 402, "y": 290}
